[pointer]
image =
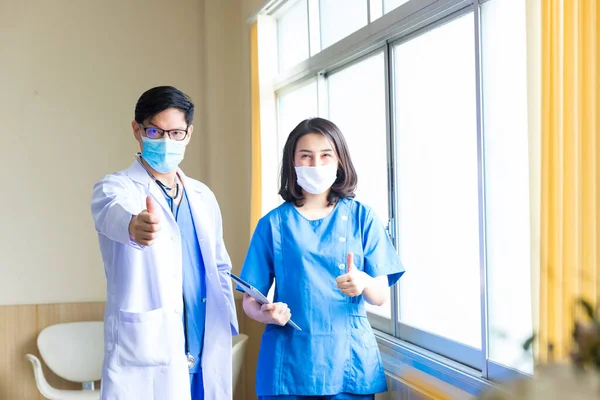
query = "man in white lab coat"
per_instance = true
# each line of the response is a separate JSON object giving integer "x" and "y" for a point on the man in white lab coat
{"x": 169, "y": 313}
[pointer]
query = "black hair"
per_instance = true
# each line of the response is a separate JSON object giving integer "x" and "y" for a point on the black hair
{"x": 160, "y": 98}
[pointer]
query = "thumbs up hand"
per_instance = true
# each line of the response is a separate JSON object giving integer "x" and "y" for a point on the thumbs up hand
{"x": 354, "y": 282}
{"x": 150, "y": 205}
{"x": 144, "y": 227}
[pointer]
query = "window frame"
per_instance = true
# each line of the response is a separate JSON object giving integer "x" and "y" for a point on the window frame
{"x": 453, "y": 350}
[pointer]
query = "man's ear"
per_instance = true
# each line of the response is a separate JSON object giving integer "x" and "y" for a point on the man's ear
{"x": 136, "y": 130}
{"x": 189, "y": 134}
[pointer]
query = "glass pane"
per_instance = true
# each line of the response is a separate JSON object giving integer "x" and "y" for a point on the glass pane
{"x": 376, "y": 9}
{"x": 507, "y": 181}
{"x": 292, "y": 36}
{"x": 357, "y": 106}
{"x": 438, "y": 222}
{"x": 294, "y": 106}
{"x": 340, "y": 18}
{"x": 389, "y": 5}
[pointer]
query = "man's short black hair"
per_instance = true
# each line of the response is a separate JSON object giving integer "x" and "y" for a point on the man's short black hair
{"x": 160, "y": 98}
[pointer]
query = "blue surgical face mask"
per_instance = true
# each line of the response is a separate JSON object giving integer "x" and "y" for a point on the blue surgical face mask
{"x": 163, "y": 155}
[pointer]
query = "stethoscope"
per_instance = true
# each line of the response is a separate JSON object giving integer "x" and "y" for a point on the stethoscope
{"x": 166, "y": 190}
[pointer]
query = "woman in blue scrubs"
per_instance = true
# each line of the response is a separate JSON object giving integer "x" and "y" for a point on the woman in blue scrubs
{"x": 328, "y": 254}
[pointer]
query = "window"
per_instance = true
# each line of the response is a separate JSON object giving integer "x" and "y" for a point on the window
{"x": 434, "y": 110}
{"x": 295, "y": 105}
{"x": 292, "y": 34}
{"x": 389, "y": 5}
{"x": 507, "y": 183}
{"x": 339, "y": 18}
{"x": 357, "y": 105}
{"x": 438, "y": 226}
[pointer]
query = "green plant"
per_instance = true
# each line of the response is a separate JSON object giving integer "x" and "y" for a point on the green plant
{"x": 586, "y": 339}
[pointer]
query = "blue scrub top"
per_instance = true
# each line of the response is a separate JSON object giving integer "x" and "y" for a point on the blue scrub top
{"x": 336, "y": 351}
{"x": 194, "y": 282}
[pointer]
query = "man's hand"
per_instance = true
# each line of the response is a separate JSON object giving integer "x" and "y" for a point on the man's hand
{"x": 144, "y": 227}
{"x": 276, "y": 313}
{"x": 354, "y": 282}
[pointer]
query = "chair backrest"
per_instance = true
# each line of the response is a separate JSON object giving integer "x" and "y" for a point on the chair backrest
{"x": 74, "y": 351}
{"x": 239, "y": 344}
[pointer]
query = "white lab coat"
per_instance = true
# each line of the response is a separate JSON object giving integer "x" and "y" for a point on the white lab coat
{"x": 143, "y": 336}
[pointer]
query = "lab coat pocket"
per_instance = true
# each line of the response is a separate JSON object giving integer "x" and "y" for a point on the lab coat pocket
{"x": 142, "y": 339}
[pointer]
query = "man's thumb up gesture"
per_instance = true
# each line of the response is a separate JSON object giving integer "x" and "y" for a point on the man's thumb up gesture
{"x": 144, "y": 227}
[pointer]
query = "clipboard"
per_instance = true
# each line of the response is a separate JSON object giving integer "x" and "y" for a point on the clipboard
{"x": 257, "y": 295}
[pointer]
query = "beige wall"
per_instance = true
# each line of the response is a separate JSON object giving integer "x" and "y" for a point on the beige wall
{"x": 226, "y": 120}
{"x": 227, "y": 92}
{"x": 70, "y": 75}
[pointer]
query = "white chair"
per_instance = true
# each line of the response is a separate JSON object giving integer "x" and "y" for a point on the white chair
{"x": 73, "y": 351}
{"x": 238, "y": 352}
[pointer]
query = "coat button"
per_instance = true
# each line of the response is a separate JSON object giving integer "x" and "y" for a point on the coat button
{"x": 173, "y": 237}
{"x": 342, "y": 266}
{"x": 344, "y": 218}
{"x": 342, "y": 239}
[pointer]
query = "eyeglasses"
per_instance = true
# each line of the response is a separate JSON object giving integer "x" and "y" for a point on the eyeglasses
{"x": 157, "y": 133}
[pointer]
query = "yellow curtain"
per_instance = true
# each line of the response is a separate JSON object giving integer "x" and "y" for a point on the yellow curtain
{"x": 570, "y": 207}
{"x": 256, "y": 188}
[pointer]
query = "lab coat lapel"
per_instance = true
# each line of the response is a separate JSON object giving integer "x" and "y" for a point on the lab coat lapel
{"x": 139, "y": 174}
{"x": 159, "y": 197}
{"x": 202, "y": 220}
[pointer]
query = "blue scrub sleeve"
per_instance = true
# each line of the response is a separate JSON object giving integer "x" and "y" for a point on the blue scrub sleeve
{"x": 258, "y": 265}
{"x": 380, "y": 255}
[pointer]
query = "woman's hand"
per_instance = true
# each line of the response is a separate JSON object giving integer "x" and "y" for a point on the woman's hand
{"x": 354, "y": 282}
{"x": 276, "y": 313}
{"x": 272, "y": 313}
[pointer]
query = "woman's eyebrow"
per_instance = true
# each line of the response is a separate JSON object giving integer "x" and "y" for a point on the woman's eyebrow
{"x": 310, "y": 151}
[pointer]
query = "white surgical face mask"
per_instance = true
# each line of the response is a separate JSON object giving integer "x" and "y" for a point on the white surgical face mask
{"x": 316, "y": 180}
